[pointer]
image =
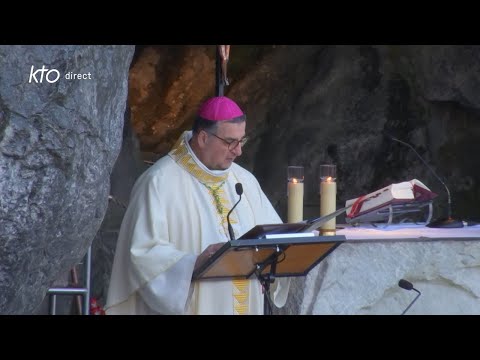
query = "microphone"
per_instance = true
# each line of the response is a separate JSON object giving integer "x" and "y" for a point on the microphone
{"x": 447, "y": 222}
{"x": 407, "y": 285}
{"x": 239, "y": 190}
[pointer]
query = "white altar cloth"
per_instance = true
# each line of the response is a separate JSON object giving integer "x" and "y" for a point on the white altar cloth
{"x": 361, "y": 275}
{"x": 408, "y": 231}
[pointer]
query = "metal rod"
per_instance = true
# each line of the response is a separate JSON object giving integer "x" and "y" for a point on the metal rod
{"x": 53, "y": 304}
{"x": 78, "y": 299}
{"x": 87, "y": 267}
{"x": 67, "y": 291}
{"x": 78, "y": 291}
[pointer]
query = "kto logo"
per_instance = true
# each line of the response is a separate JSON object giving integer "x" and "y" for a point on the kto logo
{"x": 50, "y": 75}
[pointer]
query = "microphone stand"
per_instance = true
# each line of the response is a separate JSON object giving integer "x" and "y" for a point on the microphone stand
{"x": 409, "y": 306}
{"x": 239, "y": 190}
{"x": 267, "y": 279}
{"x": 447, "y": 222}
{"x": 407, "y": 285}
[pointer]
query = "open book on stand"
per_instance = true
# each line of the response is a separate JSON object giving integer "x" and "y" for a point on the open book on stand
{"x": 285, "y": 249}
{"x": 305, "y": 227}
{"x": 407, "y": 194}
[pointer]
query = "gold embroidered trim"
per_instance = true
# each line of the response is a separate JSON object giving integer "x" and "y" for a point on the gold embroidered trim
{"x": 180, "y": 154}
{"x": 240, "y": 296}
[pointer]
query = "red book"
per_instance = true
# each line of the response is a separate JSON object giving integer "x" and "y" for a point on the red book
{"x": 408, "y": 192}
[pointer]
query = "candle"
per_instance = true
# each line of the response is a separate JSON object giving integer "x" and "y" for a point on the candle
{"x": 295, "y": 193}
{"x": 328, "y": 197}
{"x": 295, "y": 200}
{"x": 328, "y": 204}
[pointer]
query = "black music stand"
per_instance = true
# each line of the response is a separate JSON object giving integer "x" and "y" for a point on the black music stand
{"x": 280, "y": 255}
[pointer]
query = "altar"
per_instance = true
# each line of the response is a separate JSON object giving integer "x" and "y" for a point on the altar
{"x": 361, "y": 275}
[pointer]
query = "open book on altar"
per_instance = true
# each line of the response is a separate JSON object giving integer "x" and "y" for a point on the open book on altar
{"x": 407, "y": 192}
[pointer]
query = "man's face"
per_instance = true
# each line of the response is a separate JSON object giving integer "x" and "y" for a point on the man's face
{"x": 217, "y": 153}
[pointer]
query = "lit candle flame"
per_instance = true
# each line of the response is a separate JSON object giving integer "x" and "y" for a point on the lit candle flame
{"x": 294, "y": 180}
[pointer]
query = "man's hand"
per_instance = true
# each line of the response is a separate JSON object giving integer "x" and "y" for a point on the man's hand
{"x": 207, "y": 253}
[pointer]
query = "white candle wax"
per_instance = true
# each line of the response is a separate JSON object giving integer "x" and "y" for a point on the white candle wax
{"x": 328, "y": 204}
{"x": 295, "y": 201}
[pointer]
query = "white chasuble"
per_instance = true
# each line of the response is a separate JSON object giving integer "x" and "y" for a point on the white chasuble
{"x": 177, "y": 208}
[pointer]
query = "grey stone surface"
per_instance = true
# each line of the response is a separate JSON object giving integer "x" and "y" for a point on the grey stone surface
{"x": 58, "y": 144}
{"x": 362, "y": 279}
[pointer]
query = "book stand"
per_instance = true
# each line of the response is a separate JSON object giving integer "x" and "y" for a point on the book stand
{"x": 267, "y": 259}
{"x": 386, "y": 213}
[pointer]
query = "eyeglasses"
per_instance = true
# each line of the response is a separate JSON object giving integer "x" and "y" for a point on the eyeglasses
{"x": 233, "y": 143}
